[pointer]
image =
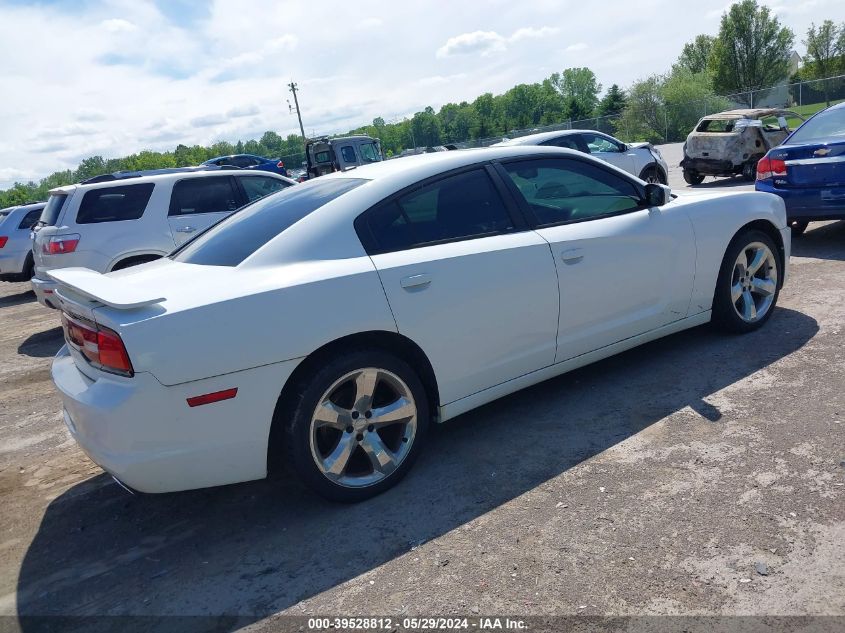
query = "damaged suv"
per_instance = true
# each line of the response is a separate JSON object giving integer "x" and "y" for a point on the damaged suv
{"x": 730, "y": 143}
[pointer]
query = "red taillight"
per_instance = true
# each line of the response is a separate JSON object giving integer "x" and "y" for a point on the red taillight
{"x": 3, "y": 240}
{"x": 59, "y": 244}
{"x": 768, "y": 168}
{"x": 280, "y": 165}
{"x": 101, "y": 346}
{"x": 208, "y": 398}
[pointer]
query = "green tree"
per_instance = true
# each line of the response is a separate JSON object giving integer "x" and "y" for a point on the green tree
{"x": 687, "y": 97}
{"x": 644, "y": 116}
{"x": 752, "y": 50}
{"x": 425, "y": 128}
{"x": 697, "y": 54}
{"x": 825, "y": 53}
{"x": 580, "y": 90}
{"x": 613, "y": 102}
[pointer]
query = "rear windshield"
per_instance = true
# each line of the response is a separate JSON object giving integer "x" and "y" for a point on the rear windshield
{"x": 825, "y": 125}
{"x": 235, "y": 238}
{"x": 724, "y": 126}
{"x": 50, "y": 214}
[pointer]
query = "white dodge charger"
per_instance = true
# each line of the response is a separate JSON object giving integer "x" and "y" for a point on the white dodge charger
{"x": 323, "y": 328}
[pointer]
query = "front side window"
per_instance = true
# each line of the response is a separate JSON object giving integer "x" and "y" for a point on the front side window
{"x": 256, "y": 187}
{"x": 114, "y": 204}
{"x": 238, "y": 236}
{"x": 598, "y": 144}
{"x": 560, "y": 190}
{"x": 462, "y": 206}
{"x": 829, "y": 124}
{"x": 204, "y": 195}
{"x": 570, "y": 141}
{"x": 50, "y": 213}
{"x": 348, "y": 153}
{"x": 30, "y": 219}
{"x": 369, "y": 153}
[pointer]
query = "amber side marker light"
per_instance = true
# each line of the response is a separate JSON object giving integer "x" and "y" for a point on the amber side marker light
{"x": 216, "y": 396}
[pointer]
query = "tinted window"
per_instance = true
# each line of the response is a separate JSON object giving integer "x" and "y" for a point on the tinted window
{"x": 204, "y": 195}
{"x": 369, "y": 153}
{"x": 114, "y": 204}
{"x": 30, "y": 219}
{"x": 348, "y": 153}
{"x": 50, "y": 214}
{"x": 237, "y": 237}
{"x": 256, "y": 187}
{"x": 597, "y": 144}
{"x": 570, "y": 141}
{"x": 826, "y": 124}
{"x": 462, "y": 206}
{"x": 242, "y": 161}
{"x": 570, "y": 190}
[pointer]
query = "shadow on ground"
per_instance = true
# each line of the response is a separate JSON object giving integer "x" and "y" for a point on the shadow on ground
{"x": 822, "y": 241}
{"x": 722, "y": 183}
{"x": 17, "y": 299}
{"x": 255, "y": 549}
{"x": 43, "y": 344}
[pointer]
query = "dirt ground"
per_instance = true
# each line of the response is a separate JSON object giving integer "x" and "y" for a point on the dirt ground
{"x": 701, "y": 474}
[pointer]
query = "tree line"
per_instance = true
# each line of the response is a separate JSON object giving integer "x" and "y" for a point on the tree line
{"x": 751, "y": 52}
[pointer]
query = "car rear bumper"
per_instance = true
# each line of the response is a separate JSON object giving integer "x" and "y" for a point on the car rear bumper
{"x": 710, "y": 166}
{"x": 44, "y": 290}
{"x": 145, "y": 435}
{"x": 809, "y": 203}
{"x": 12, "y": 263}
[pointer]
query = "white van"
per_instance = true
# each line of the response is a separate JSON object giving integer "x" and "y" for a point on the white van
{"x": 120, "y": 220}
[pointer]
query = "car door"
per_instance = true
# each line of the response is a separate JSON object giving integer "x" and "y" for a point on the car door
{"x": 609, "y": 149}
{"x": 465, "y": 280}
{"x": 197, "y": 203}
{"x": 623, "y": 268}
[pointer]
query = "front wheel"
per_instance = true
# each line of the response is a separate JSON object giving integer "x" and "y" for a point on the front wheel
{"x": 798, "y": 227}
{"x": 693, "y": 177}
{"x": 748, "y": 284}
{"x": 653, "y": 175}
{"x": 356, "y": 425}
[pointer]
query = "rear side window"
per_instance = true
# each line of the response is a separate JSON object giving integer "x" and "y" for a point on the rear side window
{"x": 369, "y": 153}
{"x": 204, "y": 195}
{"x": 237, "y": 237}
{"x": 30, "y": 219}
{"x": 114, "y": 204}
{"x": 348, "y": 153}
{"x": 256, "y": 187}
{"x": 50, "y": 213}
{"x": 718, "y": 126}
{"x": 242, "y": 161}
{"x": 462, "y": 206}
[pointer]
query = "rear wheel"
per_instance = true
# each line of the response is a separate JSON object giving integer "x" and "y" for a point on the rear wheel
{"x": 748, "y": 285}
{"x": 356, "y": 425}
{"x": 798, "y": 227}
{"x": 652, "y": 174}
{"x": 693, "y": 177}
{"x": 28, "y": 268}
{"x": 749, "y": 171}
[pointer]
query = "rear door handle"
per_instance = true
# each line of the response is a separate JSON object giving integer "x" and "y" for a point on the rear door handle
{"x": 186, "y": 229}
{"x": 572, "y": 256}
{"x": 415, "y": 281}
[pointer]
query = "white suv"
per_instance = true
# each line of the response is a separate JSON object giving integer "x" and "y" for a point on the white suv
{"x": 120, "y": 220}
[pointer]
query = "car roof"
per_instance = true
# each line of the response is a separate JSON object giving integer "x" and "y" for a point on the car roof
{"x": 748, "y": 113}
{"x": 236, "y": 156}
{"x": 533, "y": 139}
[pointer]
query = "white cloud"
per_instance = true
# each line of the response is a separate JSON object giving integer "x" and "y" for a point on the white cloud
{"x": 118, "y": 25}
{"x": 370, "y": 23}
{"x": 489, "y": 42}
{"x": 530, "y": 33}
{"x": 437, "y": 80}
{"x": 241, "y": 111}
{"x": 578, "y": 46}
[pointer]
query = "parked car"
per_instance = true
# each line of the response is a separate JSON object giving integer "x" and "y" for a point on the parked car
{"x": 116, "y": 221}
{"x": 250, "y": 161}
{"x": 730, "y": 143}
{"x": 325, "y": 327}
{"x": 808, "y": 170}
{"x": 16, "y": 263}
{"x": 326, "y": 155}
{"x": 642, "y": 160}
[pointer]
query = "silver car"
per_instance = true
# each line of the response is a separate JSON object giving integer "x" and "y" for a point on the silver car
{"x": 16, "y": 262}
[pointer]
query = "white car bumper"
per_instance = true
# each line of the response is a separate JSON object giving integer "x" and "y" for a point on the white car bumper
{"x": 145, "y": 434}
{"x": 44, "y": 289}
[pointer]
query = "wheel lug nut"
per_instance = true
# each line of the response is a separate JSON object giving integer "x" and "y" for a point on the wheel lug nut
{"x": 368, "y": 414}
{"x": 355, "y": 415}
{"x": 359, "y": 437}
{"x": 349, "y": 429}
{"x": 371, "y": 428}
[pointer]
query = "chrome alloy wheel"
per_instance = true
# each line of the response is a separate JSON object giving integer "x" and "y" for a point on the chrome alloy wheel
{"x": 363, "y": 427}
{"x": 754, "y": 282}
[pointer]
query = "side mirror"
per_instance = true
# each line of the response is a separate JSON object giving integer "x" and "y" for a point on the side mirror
{"x": 657, "y": 195}
{"x": 624, "y": 148}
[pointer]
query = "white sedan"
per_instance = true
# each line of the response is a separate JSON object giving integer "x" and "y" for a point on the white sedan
{"x": 326, "y": 326}
{"x": 643, "y": 160}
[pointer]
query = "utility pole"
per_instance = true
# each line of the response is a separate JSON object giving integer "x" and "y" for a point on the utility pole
{"x": 292, "y": 87}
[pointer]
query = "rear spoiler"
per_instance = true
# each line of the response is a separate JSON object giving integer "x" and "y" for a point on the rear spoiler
{"x": 114, "y": 292}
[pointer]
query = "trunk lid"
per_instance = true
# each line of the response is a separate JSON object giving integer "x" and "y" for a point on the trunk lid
{"x": 816, "y": 164}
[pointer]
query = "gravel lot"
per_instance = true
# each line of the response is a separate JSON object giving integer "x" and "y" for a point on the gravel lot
{"x": 700, "y": 474}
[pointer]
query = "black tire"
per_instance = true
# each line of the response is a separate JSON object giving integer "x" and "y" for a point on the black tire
{"x": 725, "y": 314}
{"x": 693, "y": 177}
{"x": 292, "y": 424}
{"x": 749, "y": 171}
{"x": 653, "y": 173}
{"x": 135, "y": 261}
{"x": 28, "y": 268}
{"x": 798, "y": 227}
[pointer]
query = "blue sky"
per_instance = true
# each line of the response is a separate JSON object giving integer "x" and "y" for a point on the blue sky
{"x": 112, "y": 77}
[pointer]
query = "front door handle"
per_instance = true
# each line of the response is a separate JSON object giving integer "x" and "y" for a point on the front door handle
{"x": 186, "y": 229}
{"x": 572, "y": 256}
{"x": 415, "y": 281}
